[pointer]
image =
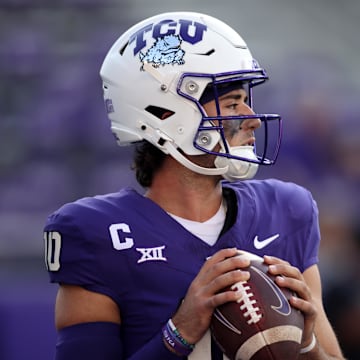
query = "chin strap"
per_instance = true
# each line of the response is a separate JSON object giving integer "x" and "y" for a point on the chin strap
{"x": 154, "y": 136}
{"x": 174, "y": 152}
{"x": 230, "y": 169}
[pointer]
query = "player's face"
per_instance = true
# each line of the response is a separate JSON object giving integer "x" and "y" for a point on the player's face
{"x": 234, "y": 103}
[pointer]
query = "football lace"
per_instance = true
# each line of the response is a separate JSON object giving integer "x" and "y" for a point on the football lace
{"x": 248, "y": 303}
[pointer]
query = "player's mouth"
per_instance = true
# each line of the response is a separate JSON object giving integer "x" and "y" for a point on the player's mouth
{"x": 249, "y": 142}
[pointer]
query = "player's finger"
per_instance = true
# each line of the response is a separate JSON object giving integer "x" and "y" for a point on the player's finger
{"x": 270, "y": 260}
{"x": 286, "y": 270}
{"x": 221, "y": 255}
{"x": 226, "y": 280}
{"x": 224, "y": 297}
{"x": 298, "y": 286}
{"x": 220, "y": 264}
{"x": 306, "y": 307}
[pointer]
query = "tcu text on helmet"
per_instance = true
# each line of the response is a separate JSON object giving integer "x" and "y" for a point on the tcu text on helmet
{"x": 190, "y": 31}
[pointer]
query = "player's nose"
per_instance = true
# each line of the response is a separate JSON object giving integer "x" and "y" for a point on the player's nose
{"x": 252, "y": 123}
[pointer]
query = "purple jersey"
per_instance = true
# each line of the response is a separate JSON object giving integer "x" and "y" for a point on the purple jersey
{"x": 125, "y": 246}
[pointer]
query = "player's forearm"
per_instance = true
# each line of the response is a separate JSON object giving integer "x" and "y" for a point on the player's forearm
{"x": 102, "y": 340}
{"x": 319, "y": 354}
{"x": 155, "y": 349}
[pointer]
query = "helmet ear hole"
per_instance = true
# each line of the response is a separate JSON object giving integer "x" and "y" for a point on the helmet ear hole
{"x": 159, "y": 112}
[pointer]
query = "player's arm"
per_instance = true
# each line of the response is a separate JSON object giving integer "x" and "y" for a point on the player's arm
{"x": 89, "y": 327}
{"x": 308, "y": 287}
{"x": 324, "y": 332}
{"x": 89, "y": 323}
{"x": 74, "y": 305}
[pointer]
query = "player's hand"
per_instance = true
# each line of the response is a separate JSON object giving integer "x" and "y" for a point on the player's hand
{"x": 205, "y": 293}
{"x": 291, "y": 278}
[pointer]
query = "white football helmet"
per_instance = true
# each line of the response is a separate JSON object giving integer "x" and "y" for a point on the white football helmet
{"x": 154, "y": 76}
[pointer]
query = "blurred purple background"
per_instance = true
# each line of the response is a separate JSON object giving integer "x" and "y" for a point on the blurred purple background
{"x": 56, "y": 145}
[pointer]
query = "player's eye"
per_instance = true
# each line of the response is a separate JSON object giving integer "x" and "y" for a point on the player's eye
{"x": 232, "y": 106}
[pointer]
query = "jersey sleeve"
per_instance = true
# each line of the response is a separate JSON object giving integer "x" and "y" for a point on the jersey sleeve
{"x": 73, "y": 250}
{"x": 69, "y": 255}
{"x": 312, "y": 236}
{"x": 300, "y": 223}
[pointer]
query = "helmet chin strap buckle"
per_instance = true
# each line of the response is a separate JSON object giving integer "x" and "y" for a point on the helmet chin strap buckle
{"x": 154, "y": 136}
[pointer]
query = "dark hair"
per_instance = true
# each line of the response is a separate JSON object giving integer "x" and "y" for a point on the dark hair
{"x": 147, "y": 160}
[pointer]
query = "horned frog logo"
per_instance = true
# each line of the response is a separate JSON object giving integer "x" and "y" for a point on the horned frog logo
{"x": 166, "y": 50}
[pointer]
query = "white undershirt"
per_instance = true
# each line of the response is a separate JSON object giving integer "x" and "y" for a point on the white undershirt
{"x": 209, "y": 230}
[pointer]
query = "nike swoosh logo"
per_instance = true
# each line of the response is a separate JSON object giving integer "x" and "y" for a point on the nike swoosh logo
{"x": 261, "y": 244}
{"x": 284, "y": 307}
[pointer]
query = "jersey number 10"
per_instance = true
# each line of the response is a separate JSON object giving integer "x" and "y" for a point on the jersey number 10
{"x": 52, "y": 250}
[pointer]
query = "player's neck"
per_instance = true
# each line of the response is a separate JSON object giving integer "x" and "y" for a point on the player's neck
{"x": 181, "y": 192}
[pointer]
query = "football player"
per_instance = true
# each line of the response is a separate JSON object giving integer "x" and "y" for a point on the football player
{"x": 141, "y": 274}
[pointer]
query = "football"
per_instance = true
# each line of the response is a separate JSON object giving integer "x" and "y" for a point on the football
{"x": 261, "y": 324}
